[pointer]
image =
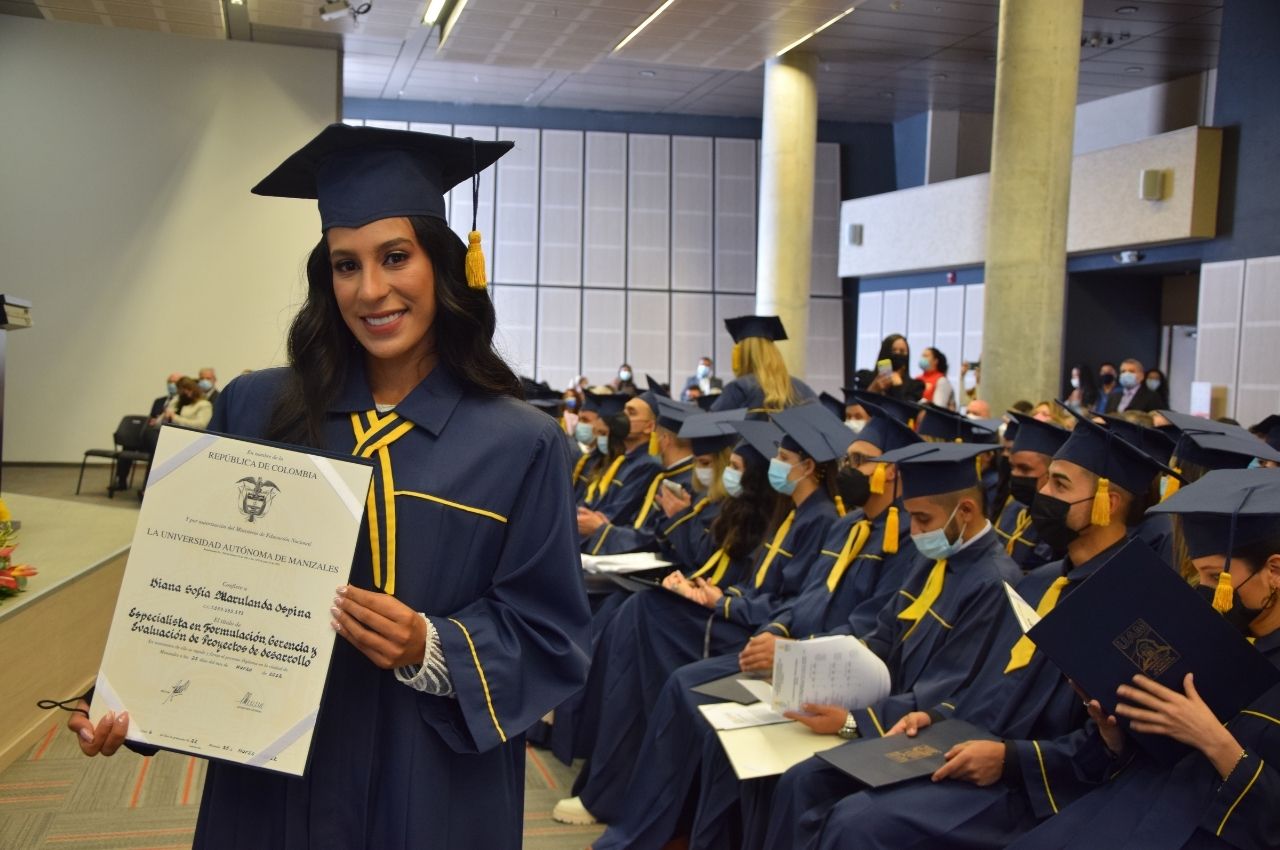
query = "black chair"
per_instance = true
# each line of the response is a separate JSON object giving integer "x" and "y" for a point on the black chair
{"x": 131, "y": 447}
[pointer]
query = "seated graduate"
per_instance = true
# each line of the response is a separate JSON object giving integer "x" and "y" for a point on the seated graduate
{"x": 1268, "y": 431}
{"x": 598, "y": 410}
{"x": 656, "y": 632}
{"x": 939, "y": 424}
{"x": 1223, "y": 793}
{"x": 464, "y": 620}
{"x": 1156, "y": 529}
{"x": 761, "y": 381}
{"x": 989, "y": 793}
{"x": 1034, "y": 444}
{"x": 675, "y": 467}
{"x": 617, "y": 495}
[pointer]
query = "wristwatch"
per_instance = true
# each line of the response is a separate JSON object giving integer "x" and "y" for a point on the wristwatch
{"x": 849, "y": 730}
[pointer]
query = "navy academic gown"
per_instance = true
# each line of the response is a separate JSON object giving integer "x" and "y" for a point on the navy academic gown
{"x": 638, "y": 530}
{"x": 746, "y": 392}
{"x": 1019, "y": 537}
{"x": 1156, "y": 530}
{"x": 1154, "y": 807}
{"x": 656, "y": 632}
{"x": 1055, "y": 756}
{"x": 484, "y": 543}
{"x": 580, "y": 466}
{"x": 830, "y": 602}
{"x": 625, "y": 495}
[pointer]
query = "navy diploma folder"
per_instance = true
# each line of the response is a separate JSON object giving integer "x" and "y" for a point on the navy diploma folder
{"x": 878, "y": 762}
{"x": 1137, "y": 615}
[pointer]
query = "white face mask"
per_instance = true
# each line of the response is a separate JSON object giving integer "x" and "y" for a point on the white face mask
{"x": 970, "y": 381}
{"x": 704, "y": 475}
{"x": 855, "y": 425}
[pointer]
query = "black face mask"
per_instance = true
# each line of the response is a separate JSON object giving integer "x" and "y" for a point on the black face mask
{"x": 899, "y": 361}
{"x": 854, "y": 487}
{"x": 1023, "y": 488}
{"x": 1240, "y": 616}
{"x": 1049, "y": 518}
{"x": 1107, "y": 378}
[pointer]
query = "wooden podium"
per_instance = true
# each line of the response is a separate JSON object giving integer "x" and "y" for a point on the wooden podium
{"x": 16, "y": 315}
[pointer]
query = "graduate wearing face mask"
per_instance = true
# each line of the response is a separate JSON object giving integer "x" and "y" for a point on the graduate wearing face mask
{"x": 1223, "y": 792}
{"x": 596, "y": 408}
{"x": 621, "y": 495}
{"x": 1034, "y": 444}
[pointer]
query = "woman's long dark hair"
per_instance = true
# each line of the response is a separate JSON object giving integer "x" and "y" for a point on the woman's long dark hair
{"x": 322, "y": 348}
{"x": 744, "y": 520}
{"x": 886, "y": 349}
{"x": 1088, "y": 384}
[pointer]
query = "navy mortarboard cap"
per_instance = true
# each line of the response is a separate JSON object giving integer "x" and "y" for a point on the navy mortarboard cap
{"x": 941, "y": 424}
{"x": 655, "y": 393}
{"x": 707, "y": 400}
{"x": 1156, "y": 443}
{"x": 658, "y": 388}
{"x": 759, "y": 438}
{"x": 1223, "y": 511}
{"x": 1010, "y": 432}
{"x": 605, "y": 404}
{"x": 884, "y": 430}
{"x": 811, "y": 429}
{"x": 1032, "y": 435}
{"x": 1110, "y": 457}
{"x": 927, "y": 469}
{"x": 903, "y": 411}
{"x": 765, "y": 327}
{"x": 1269, "y": 430}
{"x": 1215, "y": 445}
{"x": 672, "y": 414}
{"x": 833, "y": 404}
{"x": 711, "y": 432}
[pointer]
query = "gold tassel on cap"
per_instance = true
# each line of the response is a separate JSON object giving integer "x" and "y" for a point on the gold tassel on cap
{"x": 653, "y": 443}
{"x": 475, "y": 262}
{"x": 1222, "y": 593}
{"x": 735, "y": 359}
{"x": 891, "y": 530}
{"x": 840, "y": 505}
{"x": 877, "y": 479}
{"x": 1101, "y": 515}
{"x": 1171, "y": 484}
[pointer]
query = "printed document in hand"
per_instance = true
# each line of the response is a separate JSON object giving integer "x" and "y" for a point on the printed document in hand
{"x": 833, "y": 670}
{"x": 1024, "y": 613}
{"x": 630, "y": 562}
{"x": 732, "y": 715}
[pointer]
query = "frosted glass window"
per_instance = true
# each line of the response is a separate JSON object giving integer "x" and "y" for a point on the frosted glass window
{"x": 692, "y": 338}
{"x": 603, "y": 340}
{"x": 735, "y": 184}
{"x": 870, "y": 305}
{"x": 605, "y": 219}
{"x": 559, "y": 335}
{"x": 560, "y": 258}
{"x": 919, "y": 331}
{"x": 648, "y": 335}
{"x": 948, "y": 333}
{"x": 515, "y": 240}
{"x": 691, "y": 213}
{"x": 649, "y": 212}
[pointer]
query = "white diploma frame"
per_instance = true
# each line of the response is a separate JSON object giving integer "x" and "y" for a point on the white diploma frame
{"x": 220, "y": 642}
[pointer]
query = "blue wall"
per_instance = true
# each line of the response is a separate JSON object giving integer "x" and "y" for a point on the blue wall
{"x": 911, "y": 146}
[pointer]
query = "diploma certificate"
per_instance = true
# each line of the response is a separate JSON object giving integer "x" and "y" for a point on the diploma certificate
{"x": 220, "y": 642}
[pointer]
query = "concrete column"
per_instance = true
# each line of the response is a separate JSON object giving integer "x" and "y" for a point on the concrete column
{"x": 784, "y": 244}
{"x": 1037, "y": 66}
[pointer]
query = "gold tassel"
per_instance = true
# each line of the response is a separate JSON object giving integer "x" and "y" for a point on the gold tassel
{"x": 1222, "y": 593}
{"x": 653, "y": 444}
{"x": 735, "y": 359}
{"x": 1101, "y": 515}
{"x": 475, "y": 262}
{"x": 891, "y": 531}
{"x": 1171, "y": 484}
{"x": 877, "y": 479}
{"x": 840, "y": 505}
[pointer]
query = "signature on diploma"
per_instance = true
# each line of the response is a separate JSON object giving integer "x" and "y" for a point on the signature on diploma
{"x": 175, "y": 690}
{"x": 250, "y": 703}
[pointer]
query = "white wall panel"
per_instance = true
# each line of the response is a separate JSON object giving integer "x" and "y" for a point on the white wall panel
{"x": 560, "y": 230}
{"x": 870, "y": 309}
{"x": 826, "y": 345}
{"x": 894, "y": 317}
{"x": 919, "y": 331}
{"x": 972, "y": 350}
{"x": 517, "y": 311}
{"x": 735, "y": 231}
{"x": 515, "y": 241}
{"x": 1218, "y": 324}
{"x": 386, "y": 125}
{"x": 948, "y": 327}
{"x": 648, "y": 335}
{"x": 439, "y": 130}
{"x": 824, "y": 278}
{"x": 605, "y": 220}
{"x": 460, "y": 197}
{"x": 648, "y": 212}
{"x": 1258, "y": 380}
{"x": 692, "y": 214}
{"x": 559, "y": 326}
{"x": 691, "y": 336}
{"x": 603, "y": 342}
{"x": 728, "y": 306}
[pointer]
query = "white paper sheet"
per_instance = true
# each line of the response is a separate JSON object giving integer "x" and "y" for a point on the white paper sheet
{"x": 1025, "y": 614}
{"x": 732, "y": 715}
{"x": 833, "y": 670}
{"x": 630, "y": 562}
{"x": 771, "y": 750}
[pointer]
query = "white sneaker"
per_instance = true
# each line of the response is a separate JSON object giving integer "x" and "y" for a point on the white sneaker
{"x": 571, "y": 811}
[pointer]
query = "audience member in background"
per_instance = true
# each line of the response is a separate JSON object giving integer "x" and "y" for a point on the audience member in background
{"x": 937, "y": 388}
{"x": 571, "y": 399}
{"x": 625, "y": 381}
{"x": 1084, "y": 390}
{"x": 889, "y": 376}
{"x": 193, "y": 410}
{"x": 208, "y": 380}
{"x": 166, "y": 401}
{"x": 1158, "y": 384}
{"x": 970, "y": 377}
{"x": 978, "y": 409}
{"x": 703, "y": 380}
{"x": 1132, "y": 394}
{"x": 761, "y": 382}
{"x": 1106, "y": 386}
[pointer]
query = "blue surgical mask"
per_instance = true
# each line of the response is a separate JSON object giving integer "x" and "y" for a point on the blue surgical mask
{"x": 205, "y": 385}
{"x": 703, "y": 371}
{"x": 1128, "y": 380}
{"x": 1153, "y": 384}
{"x": 602, "y": 443}
{"x": 570, "y": 404}
{"x": 779, "y": 476}
{"x": 1255, "y": 464}
{"x": 172, "y": 388}
{"x": 934, "y": 544}
{"x": 923, "y": 364}
{"x": 624, "y": 375}
{"x": 732, "y": 481}
{"x": 583, "y": 433}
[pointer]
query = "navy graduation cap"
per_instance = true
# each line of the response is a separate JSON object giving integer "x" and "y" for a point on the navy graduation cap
{"x": 760, "y": 439}
{"x": 942, "y": 424}
{"x": 885, "y": 431}
{"x": 927, "y": 469}
{"x": 1269, "y": 430}
{"x": 707, "y": 400}
{"x": 1215, "y": 445}
{"x": 1156, "y": 443}
{"x": 605, "y": 404}
{"x": 363, "y": 174}
{"x": 832, "y": 404}
{"x": 1032, "y": 435}
{"x": 657, "y": 388}
{"x": 903, "y": 411}
{"x": 811, "y": 429}
{"x": 1110, "y": 457}
{"x": 712, "y": 432}
{"x": 1223, "y": 511}
{"x": 765, "y": 327}
{"x": 672, "y": 414}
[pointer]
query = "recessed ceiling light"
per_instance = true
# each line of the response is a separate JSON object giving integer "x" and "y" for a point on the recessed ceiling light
{"x": 1133, "y": 69}
{"x": 648, "y": 73}
{"x": 1127, "y": 10}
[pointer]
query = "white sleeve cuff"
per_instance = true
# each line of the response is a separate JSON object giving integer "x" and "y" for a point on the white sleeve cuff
{"x": 432, "y": 676}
